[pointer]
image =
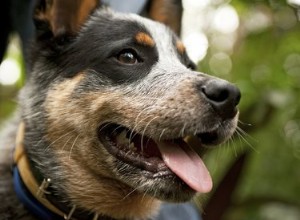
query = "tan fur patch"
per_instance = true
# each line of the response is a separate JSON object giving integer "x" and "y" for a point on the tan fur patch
{"x": 106, "y": 195}
{"x": 87, "y": 167}
{"x": 144, "y": 39}
{"x": 180, "y": 47}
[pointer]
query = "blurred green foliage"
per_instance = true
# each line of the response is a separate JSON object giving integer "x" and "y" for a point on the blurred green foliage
{"x": 265, "y": 64}
{"x": 266, "y": 67}
{"x": 8, "y": 93}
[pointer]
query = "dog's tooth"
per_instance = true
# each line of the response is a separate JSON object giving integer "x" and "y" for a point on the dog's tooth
{"x": 132, "y": 147}
{"x": 121, "y": 138}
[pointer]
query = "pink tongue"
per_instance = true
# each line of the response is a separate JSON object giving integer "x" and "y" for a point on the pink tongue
{"x": 186, "y": 164}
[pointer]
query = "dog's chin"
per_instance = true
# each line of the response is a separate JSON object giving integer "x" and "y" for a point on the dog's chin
{"x": 140, "y": 165}
{"x": 164, "y": 185}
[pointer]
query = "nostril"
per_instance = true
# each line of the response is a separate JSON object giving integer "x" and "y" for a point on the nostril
{"x": 222, "y": 96}
{"x": 215, "y": 94}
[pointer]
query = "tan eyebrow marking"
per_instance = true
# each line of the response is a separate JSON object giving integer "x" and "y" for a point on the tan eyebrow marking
{"x": 180, "y": 47}
{"x": 144, "y": 39}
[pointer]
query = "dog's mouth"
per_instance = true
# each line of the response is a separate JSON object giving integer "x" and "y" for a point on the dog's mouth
{"x": 160, "y": 158}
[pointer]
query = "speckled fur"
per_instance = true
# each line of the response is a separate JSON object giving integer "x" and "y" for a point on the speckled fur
{"x": 64, "y": 104}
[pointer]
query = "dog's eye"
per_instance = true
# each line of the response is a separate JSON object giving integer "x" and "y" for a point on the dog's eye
{"x": 128, "y": 57}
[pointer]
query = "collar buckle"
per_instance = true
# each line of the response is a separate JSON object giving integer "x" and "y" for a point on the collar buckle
{"x": 42, "y": 188}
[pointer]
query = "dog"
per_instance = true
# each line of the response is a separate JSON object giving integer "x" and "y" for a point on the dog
{"x": 110, "y": 121}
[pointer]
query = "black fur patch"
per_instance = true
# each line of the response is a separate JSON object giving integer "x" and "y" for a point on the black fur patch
{"x": 96, "y": 49}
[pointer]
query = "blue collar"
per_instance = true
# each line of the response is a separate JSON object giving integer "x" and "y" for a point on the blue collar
{"x": 32, "y": 204}
{"x": 33, "y": 195}
{"x": 35, "y": 198}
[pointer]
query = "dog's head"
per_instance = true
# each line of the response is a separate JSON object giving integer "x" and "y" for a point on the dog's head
{"x": 110, "y": 107}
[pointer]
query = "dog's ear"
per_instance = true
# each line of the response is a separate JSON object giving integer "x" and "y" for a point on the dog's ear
{"x": 62, "y": 18}
{"x": 168, "y": 12}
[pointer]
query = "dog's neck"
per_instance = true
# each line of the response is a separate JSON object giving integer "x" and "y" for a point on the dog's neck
{"x": 37, "y": 197}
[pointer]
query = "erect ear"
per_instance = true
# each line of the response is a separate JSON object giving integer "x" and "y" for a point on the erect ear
{"x": 168, "y": 12}
{"x": 62, "y": 17}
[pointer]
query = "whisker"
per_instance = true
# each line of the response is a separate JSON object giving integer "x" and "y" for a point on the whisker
{"x": 243, "y": 123}
{"x": 161, "y": 134}
{"x": 246, "y": 134}
{"x": 144, "y": 131}
{"x": 62, "y": 136}
{"x": 132, "y": 191}
{"x": 136, "y": 122}
{"x": 73, "y": 146}
{"x": 120, "y": 126}
{"x": 231, "y": 143}
{"x": 245, "y": 141}
{"x": 63, "y": 147}
{"x": 181, "y": 133}
{"x": 131, "y": 136}
{"x": 107, "y": 124}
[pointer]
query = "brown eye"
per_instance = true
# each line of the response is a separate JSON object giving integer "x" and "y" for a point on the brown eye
{"x": 127, "y": 57}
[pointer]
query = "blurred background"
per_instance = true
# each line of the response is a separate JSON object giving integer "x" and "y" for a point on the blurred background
{"x": 256, "y": 45}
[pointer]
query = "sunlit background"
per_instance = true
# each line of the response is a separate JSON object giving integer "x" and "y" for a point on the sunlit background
{"x": 256, "y": 45}
{"x": 10, "y": 68}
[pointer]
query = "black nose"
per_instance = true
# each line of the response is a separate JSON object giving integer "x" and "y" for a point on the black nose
{"x": 222, "y": 96}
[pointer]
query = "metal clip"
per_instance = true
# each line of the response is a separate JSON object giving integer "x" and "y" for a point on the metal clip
{"x": 42, "y": 188}
{"x": 69, "y": 216}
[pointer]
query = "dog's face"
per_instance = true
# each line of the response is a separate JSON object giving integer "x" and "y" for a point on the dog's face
{"x": 110, "y": 110}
